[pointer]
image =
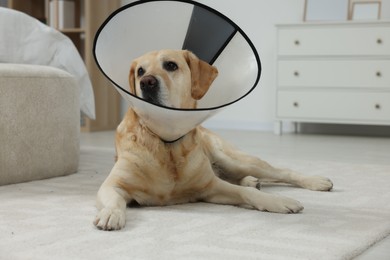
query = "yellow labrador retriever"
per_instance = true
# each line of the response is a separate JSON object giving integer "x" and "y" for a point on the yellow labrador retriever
{"x": 198, "y": 167}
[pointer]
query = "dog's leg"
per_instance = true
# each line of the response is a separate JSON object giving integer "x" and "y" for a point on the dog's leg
{"x": 223, "y": 192}
{"x": 239, "y": 165}
{"x": 111, "y": 203}
{"x": 236, "y": 166}
{"x": 112, "y": 209}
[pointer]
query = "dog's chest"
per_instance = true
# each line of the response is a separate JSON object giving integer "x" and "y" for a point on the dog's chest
{"x": 177, "y": 176}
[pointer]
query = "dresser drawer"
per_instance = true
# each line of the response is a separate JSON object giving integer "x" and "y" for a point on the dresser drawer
{"x": 335, "y": 40}
{"x": 337, "y": 105}
{"x": 334, "y": 73}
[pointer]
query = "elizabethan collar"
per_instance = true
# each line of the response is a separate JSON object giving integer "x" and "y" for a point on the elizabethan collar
{"x": 144, "y": 26}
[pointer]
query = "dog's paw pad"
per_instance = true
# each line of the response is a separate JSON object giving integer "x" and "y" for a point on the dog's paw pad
{"x": 250, "y": 181}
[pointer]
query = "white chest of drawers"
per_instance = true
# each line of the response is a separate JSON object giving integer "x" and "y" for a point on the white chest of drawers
{"x": 333, "y": 73}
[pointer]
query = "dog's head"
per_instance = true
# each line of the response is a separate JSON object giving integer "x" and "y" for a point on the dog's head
{"x": 172, "y": 78}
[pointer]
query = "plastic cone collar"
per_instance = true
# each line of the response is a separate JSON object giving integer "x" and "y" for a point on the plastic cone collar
{"x": 145, "y": 26}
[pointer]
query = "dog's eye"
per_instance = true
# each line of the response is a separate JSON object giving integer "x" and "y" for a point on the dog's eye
{"x": 140, "y": 72}
{"x": 170, "y": 66}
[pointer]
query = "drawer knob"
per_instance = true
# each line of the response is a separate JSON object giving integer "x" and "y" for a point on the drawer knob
{"x": 296, "y": 104}
{"x": 296, "y": 73}
{"x": 377, "y": 106}
{"x": 296, "y": 42}
{"x": 379, "y": 41}
{"x": 378, "y": 74}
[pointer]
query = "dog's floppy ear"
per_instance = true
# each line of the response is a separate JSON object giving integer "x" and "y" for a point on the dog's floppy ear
{"x": 132, "y": 77}
{"x": 202, "y": 75}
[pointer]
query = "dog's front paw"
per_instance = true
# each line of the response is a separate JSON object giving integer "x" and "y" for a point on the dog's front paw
{"x": 317, "y": 183}
{"x": 277, "y": 204}
{"x": 110, "y": 219}
{"x": 284, "y": 205}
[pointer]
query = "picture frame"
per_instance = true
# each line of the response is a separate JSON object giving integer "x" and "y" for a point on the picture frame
{"x": 364, "y": 10}
{"x": 325, "y": 10}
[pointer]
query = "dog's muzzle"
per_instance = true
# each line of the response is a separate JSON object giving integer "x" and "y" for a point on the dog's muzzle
{"x": 150, "y": 88}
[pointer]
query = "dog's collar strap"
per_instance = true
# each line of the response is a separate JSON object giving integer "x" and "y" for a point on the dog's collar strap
{"x": 164, "y": 141}
{"x": 173, "y": 141}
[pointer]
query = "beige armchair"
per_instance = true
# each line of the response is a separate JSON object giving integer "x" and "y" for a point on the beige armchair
{"x": 39, "y": 123}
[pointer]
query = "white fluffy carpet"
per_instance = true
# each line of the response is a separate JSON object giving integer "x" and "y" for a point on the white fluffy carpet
{"x": 52, "y": 219}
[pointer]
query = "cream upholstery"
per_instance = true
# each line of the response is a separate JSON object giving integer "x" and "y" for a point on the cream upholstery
{"x": 39, "y": 123}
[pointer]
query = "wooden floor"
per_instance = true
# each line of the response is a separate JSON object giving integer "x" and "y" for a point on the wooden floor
{"x": 350, "y": 149}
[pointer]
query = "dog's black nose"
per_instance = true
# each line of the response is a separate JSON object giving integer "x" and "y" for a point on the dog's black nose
{"x": 150, "y": 89}
{"x": 149, "y": 84}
